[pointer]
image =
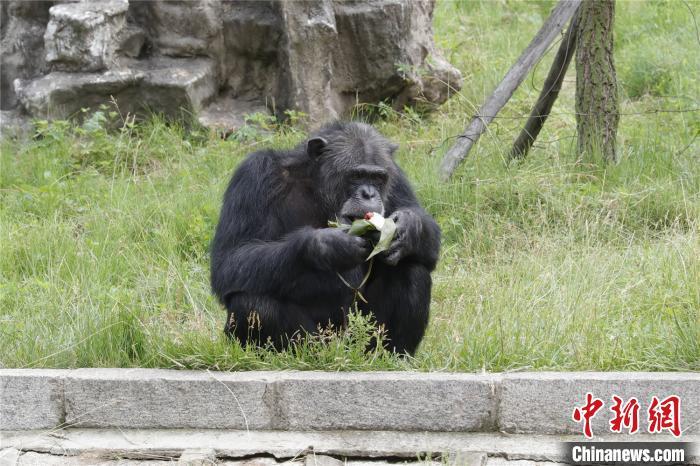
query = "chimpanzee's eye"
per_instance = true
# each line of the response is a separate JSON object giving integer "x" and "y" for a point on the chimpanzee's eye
{"x": 370, "y": 174}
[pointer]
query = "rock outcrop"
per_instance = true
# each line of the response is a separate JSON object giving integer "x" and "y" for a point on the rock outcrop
{"x": 83, "y": 36}
{"x": 22, "y": 26}
{"x": 162, "y": 85}
{"x": 219, "y": 58}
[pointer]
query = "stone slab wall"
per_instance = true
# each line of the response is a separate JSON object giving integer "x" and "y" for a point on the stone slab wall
{"x": 523, "y": 403}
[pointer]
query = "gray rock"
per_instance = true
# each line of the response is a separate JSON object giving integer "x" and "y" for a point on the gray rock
{"x": 30, "y": 399}
{"x": 338, "y": 54}
{"x": 83, "y": 36}
{"x": 225, "y": 115}
{"x": 252, "y": 36}
{"x": 139, "y": 398}
{"x": 371, "y": 47}
{"x": 544, "y": 402}
{"x": 63, "y": 95}
{"x": 386, "y": 50}
{"x": 181, "y": 28}
{"x": 173, "y": 85}
{"x": 21, "y": 45}
{"x": 319, "y": 57}
{"x": 385, "y": 401}
{"x": 310, "y": 35}
{"x": 161, "y": 84}
{"x": 14, "y": 124}
{"x": 439, "y": 83}
{"x": 432, "y": 80}
{"x": 131, "y": 41}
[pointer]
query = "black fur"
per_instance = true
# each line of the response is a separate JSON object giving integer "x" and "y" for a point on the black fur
{"x": 274, "y": 261}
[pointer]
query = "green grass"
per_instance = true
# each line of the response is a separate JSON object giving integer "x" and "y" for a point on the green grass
{"x": 552, "y": 263}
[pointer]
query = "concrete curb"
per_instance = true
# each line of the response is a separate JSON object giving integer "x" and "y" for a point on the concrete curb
{"x": 154, "y": 443}
{"x": 531, "y": 403}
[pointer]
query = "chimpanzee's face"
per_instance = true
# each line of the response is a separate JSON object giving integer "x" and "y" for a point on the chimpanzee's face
{"x": 353, "y": 172}
{"x": 365, "y": 189}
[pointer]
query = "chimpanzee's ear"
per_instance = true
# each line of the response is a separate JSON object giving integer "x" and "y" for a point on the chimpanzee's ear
{"x": 314, "y": 146}
{"x": 393, "y": 148}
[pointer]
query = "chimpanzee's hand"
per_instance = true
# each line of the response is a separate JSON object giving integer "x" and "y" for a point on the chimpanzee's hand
{"x": 407, "y": 238}
{"x": 335, "y": 249}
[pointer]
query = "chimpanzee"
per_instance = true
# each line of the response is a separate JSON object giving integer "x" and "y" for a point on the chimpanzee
{"x": 275, "y": 262}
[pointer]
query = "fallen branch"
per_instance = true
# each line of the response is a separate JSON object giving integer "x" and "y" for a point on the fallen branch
{"x": 549, "y": 94}
{"x": 561, "y": 14}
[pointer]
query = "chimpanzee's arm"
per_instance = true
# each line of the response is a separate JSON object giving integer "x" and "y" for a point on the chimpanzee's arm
{"x": 252, "y": 253}
{"x": 418, "y": 235}
{"x": 301, "y": 265}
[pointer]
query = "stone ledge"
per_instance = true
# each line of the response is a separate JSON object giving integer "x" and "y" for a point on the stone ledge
{"x": 31, "y": 399}
{"x": 533, "y": 403}
{"x": 404, "y": 401}
{"x": 168, "y": 85}
{"x": 157, "y": 398}
{"x": 170, "y": 444}
{"x": 542, "y": 403}
{"x": 143, "y": 398}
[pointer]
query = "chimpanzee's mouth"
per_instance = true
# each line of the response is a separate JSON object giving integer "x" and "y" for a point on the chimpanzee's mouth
{"x": 349, "y": 215}
{"x": 348, "y": 219}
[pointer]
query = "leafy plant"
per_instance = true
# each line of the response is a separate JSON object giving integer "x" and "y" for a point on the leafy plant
{"x": 372, "y": 222}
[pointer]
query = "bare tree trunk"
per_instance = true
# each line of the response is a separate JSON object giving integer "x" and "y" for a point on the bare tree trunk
{"x": 549, "y": 94}
{"x": 597, "y": 111}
